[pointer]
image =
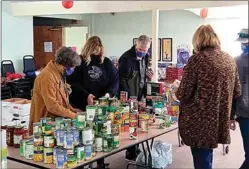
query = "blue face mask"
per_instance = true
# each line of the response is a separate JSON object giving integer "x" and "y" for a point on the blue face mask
{"x": 141, "y": 54}
{"x": 69, "y": 71}
{"x": 244, "y": 48}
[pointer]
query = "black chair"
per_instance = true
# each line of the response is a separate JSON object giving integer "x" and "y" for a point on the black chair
{"x": 29, "y": 64}
{"x": 7, "y": 66}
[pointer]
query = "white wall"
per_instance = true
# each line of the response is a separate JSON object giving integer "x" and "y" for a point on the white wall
{"x": 17, "y": 37}
{"x": 118, "y": 31}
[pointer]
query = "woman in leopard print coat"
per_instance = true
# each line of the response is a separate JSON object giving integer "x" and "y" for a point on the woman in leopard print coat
{"x": 209, "y": 83}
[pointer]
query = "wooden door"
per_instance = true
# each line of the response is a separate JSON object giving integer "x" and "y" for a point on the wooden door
{"x": 46, "y": 35}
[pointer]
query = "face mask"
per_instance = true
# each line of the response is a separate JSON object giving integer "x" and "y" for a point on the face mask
{"x": 69, "y": 71}
{"x": 140, "y": 54}
{"x": 244, "y": 48}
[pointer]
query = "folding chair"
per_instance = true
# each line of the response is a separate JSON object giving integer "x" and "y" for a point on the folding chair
{"x": 29, "y": 64}
{"x": 7, "y": 66}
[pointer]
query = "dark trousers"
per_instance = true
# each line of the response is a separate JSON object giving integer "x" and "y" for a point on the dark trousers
{"x": 203, "y": 158}
{"x": 244, "y": 129}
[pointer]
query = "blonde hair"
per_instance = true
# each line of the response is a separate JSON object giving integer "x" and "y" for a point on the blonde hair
{"x": 93, "y": 46}
{"x": 205, "y": 37}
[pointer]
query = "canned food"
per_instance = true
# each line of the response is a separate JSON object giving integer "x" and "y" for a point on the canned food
{"x": 123, "y": 96}
{"x": 29, "y": 152}
{"x": 60, "y": 158}
{"x": 23, "y": 144}
{"x": 134, "y": 105}
{"x": 81, "y": 120}
{"x": 102, "y": 112}
{"x": 103, "y": 101}
{"x": 69, "y": 140}
{"x": 116, "y": 129}
{"x": 133, "y": 98}
{"x": 37, "y": 127}
{"x": 118, "y": 117}
{"x": 111, "y": 116}
{"x": 99, "y": 144}
{"x": 80, "y": 153}
{"x": 60, "y": 137}
{"x": 47, "y": 130}
{"x": 160, "y": 122}
{"x": 38, "y": 153}
{"x": 108, "y": 143}
{"x": 87, "y": 136}
{"x": 88, "y": 152}
{"x": 54, "y": 154}
{"x": 112, "y": 102}
{"x": 107, "y": 127}
{"x": 49, "y": 141}
{"x": 90, "y": 113}
{"x": 70, "y": 152}
{"x": 76, "y": 136}
{"x": 67, "y": 123}
{"x": 74, "y": 124}
{"x": 133, "y": 133}
{"x": 45, "y": 121}
{"x": 95, "y": 102}
{"x": 38, "y": 139}
{"x": 58, "y": 122}
{"x": 116, "y": 141}
{"x": 99, "y": 127}
{"x": 71, "y": 161}
{"x": 144, "y": 125}
{"x": 48, "y": 155}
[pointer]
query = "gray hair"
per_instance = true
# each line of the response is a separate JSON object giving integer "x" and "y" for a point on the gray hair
{"x": 144, "y": 40}
{"x": 65, "y": 56}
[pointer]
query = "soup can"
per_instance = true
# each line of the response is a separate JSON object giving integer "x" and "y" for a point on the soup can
{"x": 133, "y": 133}
{"x": 87, "y": 136}
{"x": 48, "y": 155}
{"x": 99, "y": 144}
{"x": 38, "y": 153}
{"x": 90, "y": 113}
{"x": 107, "y": 143}
{"x": 69, "y": 140}
{"x": 71, "y": 161}
{"x": 103, "y": 101}
{"x": 133, "y": 105}
{"x": 116, "y": 140}
{"x": 144, "y": 125}
{"x": 29, "y": 150}
{"x": 123, "y": 96}
{"x": 80, "y": 149}
{"x": 107, "y": 127}
{"x": 37, "y": 127}
{"x": 88, "y": 152}
{"x": 81, "y": 120}
{"x": 60, "y": 159}
{"x": 54, "y": 154}
{"x": 102, "y": 112}
{"x": 76, "y": 136}
{"x": 58, "y": 121}
{"x": 60, "y": 136}
{"x": 38, "y": 139}
{"x": 49, "y": 141}
{"x": 45, "y": 121}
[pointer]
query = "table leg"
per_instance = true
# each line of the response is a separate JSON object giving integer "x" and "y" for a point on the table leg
{"x": 152, "y": 142}
{"x": 145, "y": 154}
{"x": 150, "y": 156}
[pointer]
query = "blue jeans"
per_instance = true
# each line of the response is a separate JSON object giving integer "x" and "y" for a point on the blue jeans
{"x": 203, "y": 158}
{"x": 244, "y": 129}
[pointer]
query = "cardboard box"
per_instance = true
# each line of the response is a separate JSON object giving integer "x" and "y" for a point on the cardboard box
{"x": 155, "y": 89}
{"x": 7, "y": 105}
{"x": 22, "y": 108}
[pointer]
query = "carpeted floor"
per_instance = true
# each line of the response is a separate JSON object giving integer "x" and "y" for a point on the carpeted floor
{"x": 181, "y": 155}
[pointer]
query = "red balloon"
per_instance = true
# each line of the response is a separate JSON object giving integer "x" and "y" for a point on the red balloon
{"x": 67, "y": 4}
{"x": 204, "y": 13}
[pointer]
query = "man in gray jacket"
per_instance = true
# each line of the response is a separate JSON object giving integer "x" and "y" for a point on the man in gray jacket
{"x": 240, "y": 108}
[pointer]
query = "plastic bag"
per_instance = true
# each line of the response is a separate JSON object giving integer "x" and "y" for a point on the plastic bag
{"x": 161, "y": 155}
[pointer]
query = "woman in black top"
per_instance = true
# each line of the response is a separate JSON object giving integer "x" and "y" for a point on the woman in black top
{"x": 95, "y": 77}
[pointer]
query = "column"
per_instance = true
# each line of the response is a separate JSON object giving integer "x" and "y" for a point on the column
{"x": 155, "y": 28}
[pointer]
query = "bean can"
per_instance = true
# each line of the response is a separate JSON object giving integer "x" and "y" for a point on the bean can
{"x": 58, "y": 121}
{"x": 81, "y": 120}
{"x": 48, "y": 155}
{"x": 80, "y": 153}
{"x": 87, "y": 136}
{"x": 38, "y": 139}
{"x": 102, "y": 112}
{"x": 76, "y": 136}
{"x": 29, "y": 152}
{"x": 54, "y": 154}
{"x": 99, "y": 144}
{"x": 37, "y": 127}
{"x": 116, "y": 141}
{"x": 38, "y": 153}
{"x": 23, "y": 144}
{"x": 107, "y": 143}
{"x": 99, "y": 127}
{"x": 49, "y": 141}
{"x": 69, "y": 140}
{"x": 88, "y": 152}
{"x": 90, "y": 113}
{"x": 60, "y": 137}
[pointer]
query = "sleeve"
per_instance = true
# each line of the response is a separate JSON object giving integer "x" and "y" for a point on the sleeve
{"x": 237, "y": 85}
{"x": 74, "y": 80}
{"x": 48, "y": 91}
{"x": 123, "y": 72}
{"x": 113, "y": 81}
{"x": 188, "y": 82}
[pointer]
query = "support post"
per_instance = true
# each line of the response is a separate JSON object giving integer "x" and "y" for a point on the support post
{"x": 155, "y": 28}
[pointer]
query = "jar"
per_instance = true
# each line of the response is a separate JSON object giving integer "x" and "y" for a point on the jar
{"x": 25, "y": 133}
{"x": 18, "y": 136}
{"x": 10, "y": 135}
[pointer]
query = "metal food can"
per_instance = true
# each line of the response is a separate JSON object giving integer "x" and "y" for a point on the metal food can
{"x": 38, "y": 153}
{"x": 116, "y": 141}
{"x": 103, "y": 101}
{"x": 76, "y": 136}
{"x": 99, "y": 127}
{"x": 81, "y": 120}
{"x": 118, "y": 117}
{"x": 116, "y": 129}
{"x": 133, "y": 133}
{"x": 58, "y": 121}
{"x": 102, "y": 112}
{"x": 99, "y": 144}
{"x": 160, "y": 122}
{"x": 111, "y": 116}
{"x": 107, "y": 143}
{"x": 90, "y": 113}
{"x": 38, "y": 139}
{"x": 37, "y": 127}
{"x": 71, "y": 161}
{"x": 133, "y": 98}
{"x": 54, "y": 154}
{"x": 60, "y": 137}
{"x": 144, "y": 125}
{"x": 69, "y": 140}
{"x": 49, "y": 141}
{"x": 60, "y": 158}
{"x": 45, "y": 121}
{"x": 74, "y": 124}
{"x": 29, "y": 152}
{"x": 87, "y": 136}
{"x": 23, "y": 147}
{"x": 48, "y": 155}
{"x": 80, "y": 153}
{"x": 47, "y": 129}
{"x": 107, "y": 127}
{"x": 95, "y": 102}
{"x": 88, "y": 152}
{"x": 123, "y": 96}
{"x": 112, "y": 102}
{"x": 133, "y": 105}
{"x": 67, "y": 123}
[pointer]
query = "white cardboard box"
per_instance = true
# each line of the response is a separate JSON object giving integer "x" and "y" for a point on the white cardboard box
{"x": 22, "y": 108}
{"x": 7, "y": 105}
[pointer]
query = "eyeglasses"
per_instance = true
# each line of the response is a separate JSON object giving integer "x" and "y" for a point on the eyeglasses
{"x": 243, "y": 35}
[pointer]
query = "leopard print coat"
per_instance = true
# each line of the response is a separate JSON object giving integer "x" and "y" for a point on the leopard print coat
{"x": 209, "y": 83}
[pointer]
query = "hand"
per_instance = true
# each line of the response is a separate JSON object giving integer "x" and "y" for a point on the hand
{"x": 150, "y": 73}
{"x": 232, "y": 125}
{"x": 75, "y": 110}
{"x": 90, "y": 99}
{"x": 107, "y": 95}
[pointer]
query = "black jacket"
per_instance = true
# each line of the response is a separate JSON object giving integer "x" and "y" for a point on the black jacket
{"x": 96, "y": 79}
{"x": 132, "y": 73}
